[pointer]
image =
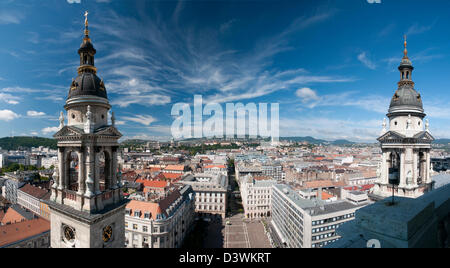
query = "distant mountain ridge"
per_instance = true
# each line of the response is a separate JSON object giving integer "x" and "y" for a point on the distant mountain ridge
{"x": 14, "y": 143}
{"x": 312, "y": 140}
{"x": 442, "y": 141}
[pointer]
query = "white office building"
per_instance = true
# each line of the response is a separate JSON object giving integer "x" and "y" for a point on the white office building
{"x": 301, "y": 223}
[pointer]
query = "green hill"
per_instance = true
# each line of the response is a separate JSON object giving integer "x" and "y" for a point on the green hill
{"x": 304, "y": 139}
{"x": 15, "y": 143}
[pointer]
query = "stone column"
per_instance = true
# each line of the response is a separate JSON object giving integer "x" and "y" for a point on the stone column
{"x": 89, "y": 187}
{"x": 96, "y": 169}
{"x": 81, "y": 172}
{"x": 66, "y": 164}
{"x": 415, "y": 170}
{"x": 114, "y": 168}
{"x": 385, "y": 168}
{"x": 62, "y": 167}
{"x": 110, "y": 168}
{"x": 427, "y": 173}
{"x": 402, "y": 170}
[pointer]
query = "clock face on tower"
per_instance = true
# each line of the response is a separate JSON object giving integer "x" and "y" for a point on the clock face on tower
{"x": 69, "y": 233}
{"x": 107, "y": 233}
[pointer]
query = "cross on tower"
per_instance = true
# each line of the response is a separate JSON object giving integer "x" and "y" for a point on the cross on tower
{"x": 86, "y": 16}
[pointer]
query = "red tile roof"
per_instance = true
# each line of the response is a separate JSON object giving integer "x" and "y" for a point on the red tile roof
{"x": 22, "y": 230}
{"x": 154, "y": 208}
{"x": 175, "y": 167}
{"x": 34, "y": 191}
{"x": 262, "y": 178}
{"x": 144, "y": 207}
{"x": 171, "y": 176}
{"x": 12, "y": 216}
{"x": 367, "y": 187}
{"x": 152, "y": 183}
{"x": 326, "y": 196}
{"x": 215, "y": 166}
{"x": 360, "y": 187}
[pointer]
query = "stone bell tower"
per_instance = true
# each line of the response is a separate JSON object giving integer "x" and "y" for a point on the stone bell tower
{"x": 406, "y": 145}
{"x": 87, "y": 206}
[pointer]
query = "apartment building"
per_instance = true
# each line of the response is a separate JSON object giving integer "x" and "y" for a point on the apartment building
{"x": 256, "y": 195}
{"x": 30, "y": 197}
{"x": 210, "y": 193}
{"x": 302, "y": 223}
{"x": 216, "y": 169}
{"x": 162, "y": 222}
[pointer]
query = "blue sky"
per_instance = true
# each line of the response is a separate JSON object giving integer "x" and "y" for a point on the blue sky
{"x": 331, "y": 65}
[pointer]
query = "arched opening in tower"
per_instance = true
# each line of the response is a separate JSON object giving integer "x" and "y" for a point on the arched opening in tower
{"x": 104, "y": 170}
{"x": 73, "y": 170}
{"x": 394, "y": 168}
{"x": 421, "y": 164}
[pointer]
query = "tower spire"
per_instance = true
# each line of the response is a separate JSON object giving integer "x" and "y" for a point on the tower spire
{"x": 405, "y": 67}
{"x": 86, "y": 27}
{"x": 405, "y": 52}
{"x": 87, "y": 50}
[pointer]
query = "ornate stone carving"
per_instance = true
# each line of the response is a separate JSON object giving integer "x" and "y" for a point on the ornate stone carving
{"x": 61, "y": 120}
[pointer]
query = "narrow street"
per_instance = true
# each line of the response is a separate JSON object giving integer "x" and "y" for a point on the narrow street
{"x": 238, "y": 233}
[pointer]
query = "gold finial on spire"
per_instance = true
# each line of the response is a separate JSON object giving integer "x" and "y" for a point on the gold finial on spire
{"x": 406, "y": 50}
{"x": 86, "y": 26}
{"x": 86, "y": 20}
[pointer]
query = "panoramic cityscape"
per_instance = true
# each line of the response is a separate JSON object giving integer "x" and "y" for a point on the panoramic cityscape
{"x": 224, "y": 125}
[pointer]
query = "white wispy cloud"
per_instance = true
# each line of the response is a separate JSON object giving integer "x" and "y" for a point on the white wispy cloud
{"x": 307, "y": 95}
{"x": 8, "y": 98}
{"x": 224, "y": 27}
{"x": 18, "y": 89}
{"x": 362, "y": 57}
{"x": 148, "y": 100}
{"x": 10, "y": 17}
{"x": 141, "y": 119}
{"x": 50, "y": 92}
{"x": 35, "y": 114}
{"x": 161, "y": 130}
{"x": 374, "y": 103}
{"x": 8, "y": 115}
{"x": 49, "y": 130}
{"x": 182, "y": 60}
{"x": 417, "y": 28}
{"x": 422, "y": 56}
